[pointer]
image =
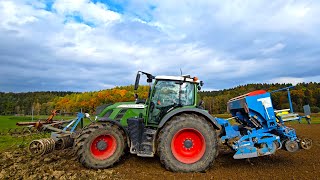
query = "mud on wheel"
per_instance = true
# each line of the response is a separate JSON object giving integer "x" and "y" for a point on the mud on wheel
{"x": 187, "y": 143}
{"x": 100, "y": 145}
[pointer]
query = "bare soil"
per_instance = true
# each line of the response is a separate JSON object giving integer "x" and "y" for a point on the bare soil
{"x": 304, "y": 164}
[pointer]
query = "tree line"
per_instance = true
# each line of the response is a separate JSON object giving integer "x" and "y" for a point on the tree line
{"x": 23, "y": 103}
{"x": 302, "y": 94}
{"x": 66, "y": 102}
{"x": 214, "y": 101}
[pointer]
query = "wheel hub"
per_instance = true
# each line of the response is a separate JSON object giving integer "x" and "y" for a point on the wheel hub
{"x": 102, "y": 145}
{"x": 291, "y": 146}
{"x": 188, "y": 143}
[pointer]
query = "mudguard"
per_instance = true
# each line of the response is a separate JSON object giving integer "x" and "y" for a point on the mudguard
{"x": 104, "y": 120}
{"x": 201, "y": 112}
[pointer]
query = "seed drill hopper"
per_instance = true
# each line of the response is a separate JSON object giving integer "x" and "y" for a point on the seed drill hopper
{"x": 259, "y": 131}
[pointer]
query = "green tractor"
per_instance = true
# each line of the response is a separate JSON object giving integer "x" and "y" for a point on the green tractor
{"x": 169, "y": 124}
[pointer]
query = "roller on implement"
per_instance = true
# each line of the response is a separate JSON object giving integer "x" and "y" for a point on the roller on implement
{"x": 173, "y": 125}
{"x": 62, "y": 135}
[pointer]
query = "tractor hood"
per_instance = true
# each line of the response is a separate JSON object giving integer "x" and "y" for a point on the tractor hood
{"x": 122, "y": 111}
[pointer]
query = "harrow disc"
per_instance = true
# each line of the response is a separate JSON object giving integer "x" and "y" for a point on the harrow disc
{"x": 41, "y": 146}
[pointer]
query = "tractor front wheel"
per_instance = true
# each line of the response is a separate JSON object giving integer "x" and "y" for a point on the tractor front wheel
{"x": 100, "y": 146}
{"x": 187, "y": 143}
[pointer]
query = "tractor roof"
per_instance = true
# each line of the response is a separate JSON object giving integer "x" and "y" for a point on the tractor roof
{"x": 179, "y": 78}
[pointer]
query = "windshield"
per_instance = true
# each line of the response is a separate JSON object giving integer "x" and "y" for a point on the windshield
{"x": 167, "y": 93}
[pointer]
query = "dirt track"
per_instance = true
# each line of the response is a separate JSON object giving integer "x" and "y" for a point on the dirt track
{"x": 61, "y": 165}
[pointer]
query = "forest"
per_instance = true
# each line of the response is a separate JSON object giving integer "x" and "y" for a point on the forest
{"x": 214, "y": 101}
{"x": 302, "y": 94}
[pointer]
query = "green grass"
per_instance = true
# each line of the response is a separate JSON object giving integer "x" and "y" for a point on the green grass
{"x": 314, "y": 120}
{"x": 11, "y": 142}
{"x": 9, "y": 122}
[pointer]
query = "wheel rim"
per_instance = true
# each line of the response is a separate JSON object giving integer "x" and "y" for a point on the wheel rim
{"x": 103, "y": 146}
{"x": 306, "y": 143}
{"x": 188, "y": 145}
{"x": 292, "y": 146}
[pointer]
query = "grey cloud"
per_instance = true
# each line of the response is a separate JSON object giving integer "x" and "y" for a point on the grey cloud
{"x": 224, "y": 51}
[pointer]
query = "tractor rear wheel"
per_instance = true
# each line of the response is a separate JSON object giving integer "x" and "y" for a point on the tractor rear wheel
{"x": 187, "y": 143}
{"x": 100, "y": 145}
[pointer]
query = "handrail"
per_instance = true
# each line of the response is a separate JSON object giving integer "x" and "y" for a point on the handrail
{"x": 282, "y": 110}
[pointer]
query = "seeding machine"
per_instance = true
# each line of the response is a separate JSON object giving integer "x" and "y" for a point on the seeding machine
{"x": 172, "y": 125}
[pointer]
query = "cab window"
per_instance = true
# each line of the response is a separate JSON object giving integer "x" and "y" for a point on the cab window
{"x": 167, "y": 93}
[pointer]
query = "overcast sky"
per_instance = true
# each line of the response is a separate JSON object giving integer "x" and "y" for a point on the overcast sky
{"x": 82, "y": 45}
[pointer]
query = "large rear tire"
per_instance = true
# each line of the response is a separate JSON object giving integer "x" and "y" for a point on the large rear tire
{"x": 100, "y": 145}
{"x": 187, "y": 143}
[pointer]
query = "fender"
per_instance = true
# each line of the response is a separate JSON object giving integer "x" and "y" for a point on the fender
{"x": 104, "y": 120}
{"x": 202, "y": 112}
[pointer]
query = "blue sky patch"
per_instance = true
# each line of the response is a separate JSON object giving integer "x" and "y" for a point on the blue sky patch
{"x": 76, "y": 17}
{"x": 49, "y": 4}
{"x": 113, "y": 5}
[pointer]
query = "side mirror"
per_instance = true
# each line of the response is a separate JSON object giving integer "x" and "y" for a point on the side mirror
{"x": 136, "y": 96}
{"x": 136, "y": 85}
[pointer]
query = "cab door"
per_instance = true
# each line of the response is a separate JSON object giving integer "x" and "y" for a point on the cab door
{"x": 167, "y": 95}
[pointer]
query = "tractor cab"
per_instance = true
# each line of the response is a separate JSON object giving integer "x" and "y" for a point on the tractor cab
{"x": 167, "y": 94}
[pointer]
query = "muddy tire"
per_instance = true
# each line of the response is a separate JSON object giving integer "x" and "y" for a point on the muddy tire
{"x": 187, "y": 143}
{"x": 100, "y": 146}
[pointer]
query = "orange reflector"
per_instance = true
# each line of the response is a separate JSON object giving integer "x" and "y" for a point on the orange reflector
{"x": 195, "y": 79}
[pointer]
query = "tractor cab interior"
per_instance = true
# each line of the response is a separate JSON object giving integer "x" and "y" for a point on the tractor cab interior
{"x": 167, "y": 95}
